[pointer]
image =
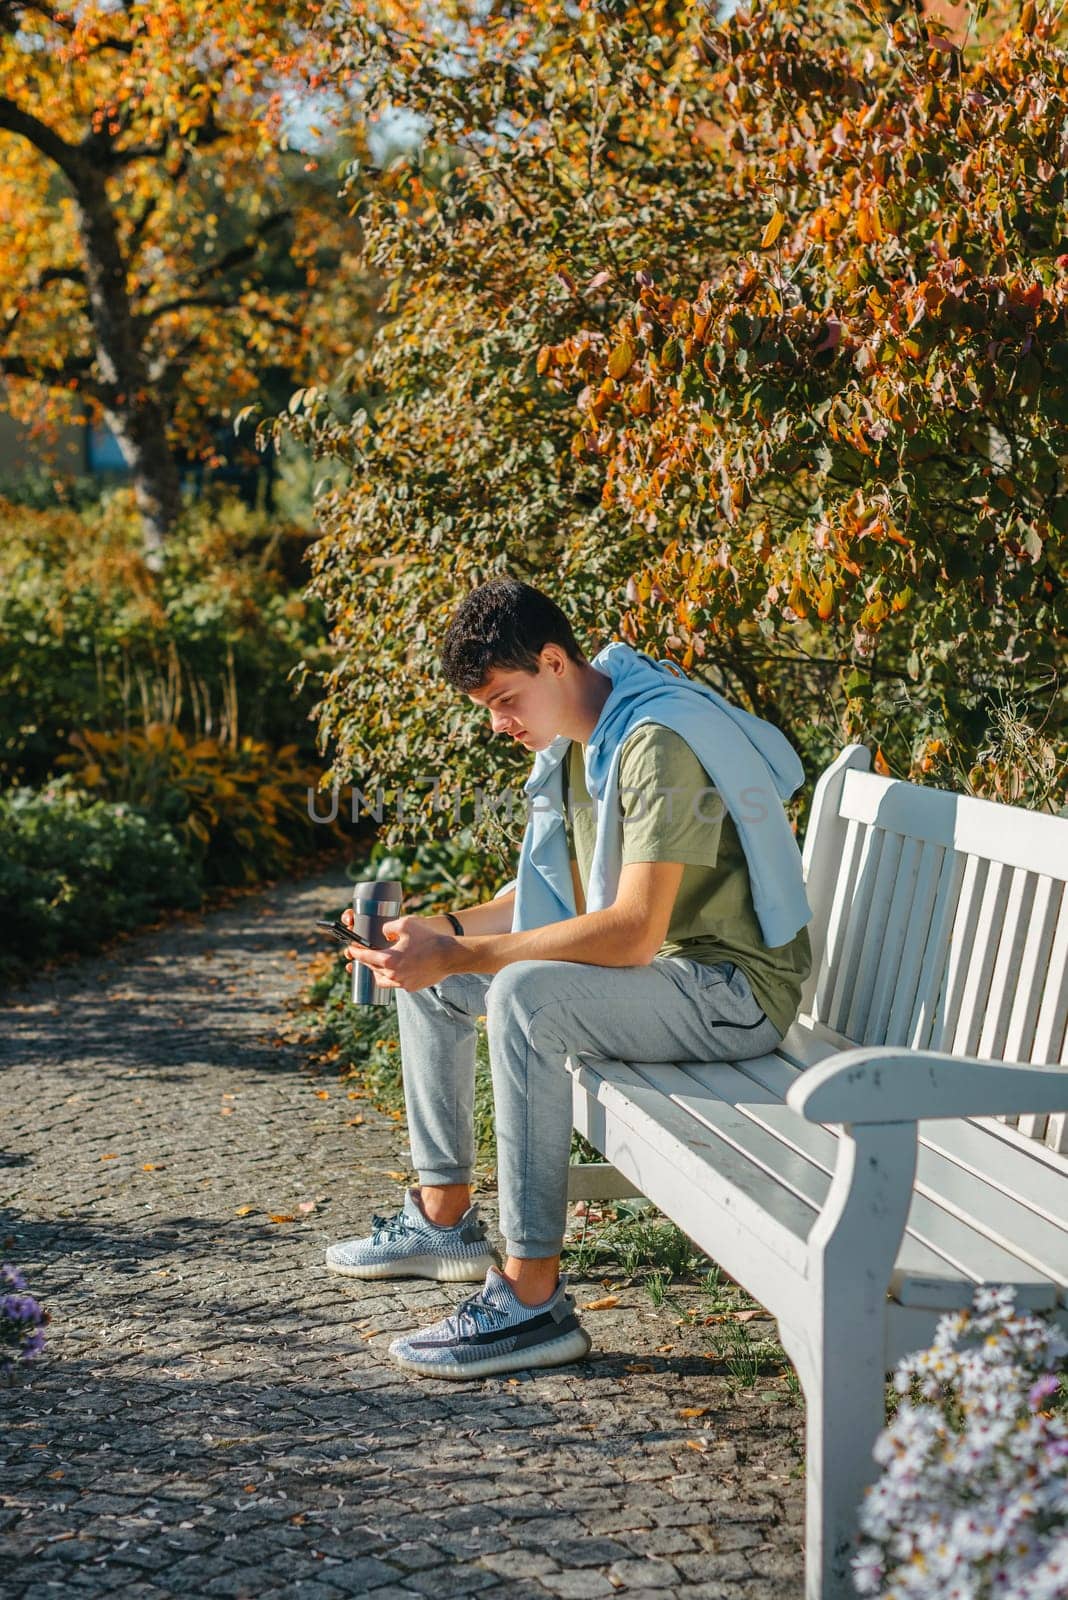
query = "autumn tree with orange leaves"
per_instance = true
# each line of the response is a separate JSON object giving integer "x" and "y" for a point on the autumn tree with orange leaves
{"x": 161, "y": 247}
{"x": 748, "y": 339}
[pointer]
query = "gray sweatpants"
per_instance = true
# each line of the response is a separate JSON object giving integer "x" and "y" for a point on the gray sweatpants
{"x": 537, "y": 1013}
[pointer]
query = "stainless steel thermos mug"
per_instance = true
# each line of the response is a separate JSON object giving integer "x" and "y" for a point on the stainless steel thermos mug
{"x": 373, "y": 903}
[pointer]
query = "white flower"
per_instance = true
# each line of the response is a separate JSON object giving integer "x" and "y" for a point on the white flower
{"x": 972, "y": 1503}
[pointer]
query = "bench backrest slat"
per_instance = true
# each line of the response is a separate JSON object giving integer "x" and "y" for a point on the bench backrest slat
{"x": 940, "y": 921}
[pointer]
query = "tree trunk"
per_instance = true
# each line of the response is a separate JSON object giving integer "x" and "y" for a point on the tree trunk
{"x": 131, "y": 405}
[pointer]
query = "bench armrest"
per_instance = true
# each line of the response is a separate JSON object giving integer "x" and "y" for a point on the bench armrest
{"x": 890, "y": 1083}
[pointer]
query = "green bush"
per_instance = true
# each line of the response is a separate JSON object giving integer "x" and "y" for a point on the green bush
{"x": 90, "y": 638}
{"x": 75, "y": 869}
{"x": 761, "y": 364}
{"x": 239, "y": 814}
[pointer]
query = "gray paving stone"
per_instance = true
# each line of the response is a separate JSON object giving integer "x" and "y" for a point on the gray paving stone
{"x": 221, "y": 1425}
{"x": 578, "y": 1585}
{"x": 520, "y": 1563}
{"x": 645, "y": 1574}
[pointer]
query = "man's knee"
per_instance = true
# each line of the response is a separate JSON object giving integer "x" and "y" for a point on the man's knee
{"x": 521, "y": 991}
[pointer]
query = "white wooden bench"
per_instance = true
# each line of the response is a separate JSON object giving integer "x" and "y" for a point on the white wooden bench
{"x": 860, "y": 1181}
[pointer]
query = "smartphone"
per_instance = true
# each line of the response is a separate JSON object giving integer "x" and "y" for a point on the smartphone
{"x": 343, "y": 934}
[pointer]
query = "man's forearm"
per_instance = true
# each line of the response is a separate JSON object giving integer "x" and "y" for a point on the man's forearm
{"x": 602, "y": 938}
{"x": 493, "y": 916}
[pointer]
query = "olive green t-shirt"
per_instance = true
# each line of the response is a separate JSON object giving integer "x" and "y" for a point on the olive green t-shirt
{"x": 672, "y": 812}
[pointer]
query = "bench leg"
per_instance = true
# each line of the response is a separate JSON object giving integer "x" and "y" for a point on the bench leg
{"x": 839, "y": 1349}
{"x": 844, "y": 1401}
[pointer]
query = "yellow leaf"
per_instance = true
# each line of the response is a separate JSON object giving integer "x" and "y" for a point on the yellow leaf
{"x": 773, "y": 229}
{"x": 621, "y": 360}
{"x": 244, "y": 1211}
{"x": 604, "y": 1304}
{"x": 398, "y": 1177}
{"x": 282, "y": 1216}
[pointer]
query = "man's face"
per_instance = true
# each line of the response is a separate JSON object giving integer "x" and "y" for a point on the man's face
{"x": 523, "y": 706}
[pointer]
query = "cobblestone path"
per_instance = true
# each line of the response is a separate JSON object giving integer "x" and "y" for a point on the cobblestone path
{"x": 216, "y": 1415}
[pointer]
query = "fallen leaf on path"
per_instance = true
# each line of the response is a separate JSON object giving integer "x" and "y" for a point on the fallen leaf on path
{"x": 306, "y": 1206}
{"x": 696, "y": 1444}
{"x": 111, "y": 1157}
{"x": 244, "y": 1211}
{"x": 371, "y": 1333}
{"x": 745, "y": 1316}
{"x": 322, "y": 1094}
{"x": 604, "y": 1304}
{"x": 226, "y": 1111}
{"x": 282, "y": 1216}
{"x": 148, "y": 1166}
{"x": 636, "y": 1366}
{"x": 694, "y": 1411}
{"x": 354, "y": 1122}
{"x": 398, "y": 1177}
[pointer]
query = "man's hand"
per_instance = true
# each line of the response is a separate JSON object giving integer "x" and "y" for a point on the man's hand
{"x": 419, "y": 957}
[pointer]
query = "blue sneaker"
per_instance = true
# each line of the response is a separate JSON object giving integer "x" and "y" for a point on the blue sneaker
{"x": 409, "y": 1245}
{"x": 494, "y": 1332}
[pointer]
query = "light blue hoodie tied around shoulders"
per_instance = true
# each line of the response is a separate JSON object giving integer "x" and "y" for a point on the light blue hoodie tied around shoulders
{"x": 751, "y": 763}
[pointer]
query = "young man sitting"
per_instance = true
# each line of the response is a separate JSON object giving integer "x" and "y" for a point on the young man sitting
{"x": 680, "y": 936}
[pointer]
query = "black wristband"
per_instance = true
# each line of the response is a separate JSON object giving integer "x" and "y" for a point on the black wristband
{"x": 457, "y": 925}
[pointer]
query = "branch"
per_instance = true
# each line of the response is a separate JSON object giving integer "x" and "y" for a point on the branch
{"x": 76, "y": 368}
{"x": 220, "y": 302}
{"x": 66, "y": 25}
{"x": 43, "y": 138}
{"x": 244, "y": 252}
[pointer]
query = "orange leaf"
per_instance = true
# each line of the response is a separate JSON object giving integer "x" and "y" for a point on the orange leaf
{"x": 282, "y": 1216}
{"x": 604, "y": 1304}
{"x": 694, "y": 1411}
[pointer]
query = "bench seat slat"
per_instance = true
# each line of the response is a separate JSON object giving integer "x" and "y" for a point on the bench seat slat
{"x": 624, "y": 1093}
{"x": 923, "y": 1274}
{"x": 940, "y": 1245}
{"x": 769, "y": 1132}
{"x": 1026, "y": 1168}
{"x": 975, "y": 1195}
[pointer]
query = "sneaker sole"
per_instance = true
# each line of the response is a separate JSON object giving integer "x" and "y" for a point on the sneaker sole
{"x": 554, "y": 1353}
{"x": 440, "y": 1268}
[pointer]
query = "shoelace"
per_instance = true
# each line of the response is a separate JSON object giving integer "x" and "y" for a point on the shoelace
{"x": 478, "y": 1315}
{"x": 389, "y": 1228}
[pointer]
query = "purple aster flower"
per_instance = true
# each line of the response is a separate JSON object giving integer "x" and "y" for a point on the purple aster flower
{"x": 10, "y": 1278}
{"x": 22, "y": 1320}
{"x": 1048, "y": 1384}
